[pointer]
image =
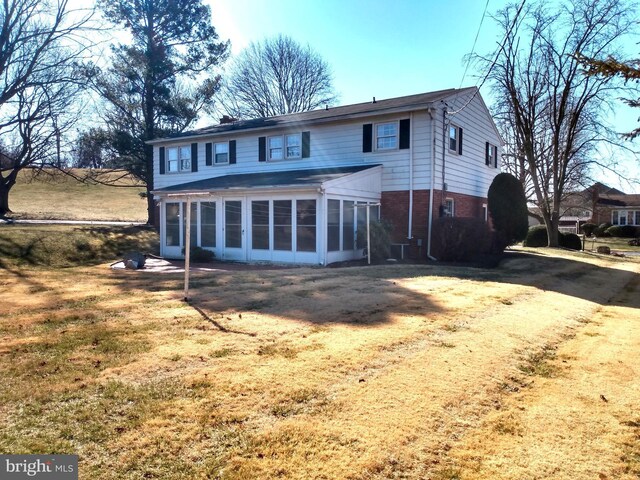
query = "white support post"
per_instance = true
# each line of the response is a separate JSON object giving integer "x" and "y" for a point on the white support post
{"x": 187, "y": 248}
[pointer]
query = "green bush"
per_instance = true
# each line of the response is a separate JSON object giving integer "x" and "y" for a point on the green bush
{"x": 601, "y": 231}
{"x": 622, "y": 231}
{"x": 460, "y": 239}
{"x": 589, "y": 228}
{"x": 507, "y": 205}
{"x": 379, "y": 237}
{"x": 571, "y": 241}
{"x": 536, "y": 237}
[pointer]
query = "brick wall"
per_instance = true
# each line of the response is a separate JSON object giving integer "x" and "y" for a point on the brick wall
{"x": 395, "y": 209}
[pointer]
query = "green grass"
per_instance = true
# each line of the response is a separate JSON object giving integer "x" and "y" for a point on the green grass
{"x": 55, "y": 195}
{"x": 67, "y": 245}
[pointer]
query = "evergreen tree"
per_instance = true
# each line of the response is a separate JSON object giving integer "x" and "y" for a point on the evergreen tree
{"x": 160, "y": 82}
{"x": 508, "y": 209}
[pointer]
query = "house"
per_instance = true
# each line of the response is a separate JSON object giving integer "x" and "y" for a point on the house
{"x": 599, "y": 204}
{"x": 297, "y": 188}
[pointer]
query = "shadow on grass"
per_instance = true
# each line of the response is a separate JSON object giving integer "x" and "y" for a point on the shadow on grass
{"x": 368, "y": 296}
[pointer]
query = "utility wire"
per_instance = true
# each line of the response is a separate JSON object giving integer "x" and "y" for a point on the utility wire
{"x": 495, "y": 60}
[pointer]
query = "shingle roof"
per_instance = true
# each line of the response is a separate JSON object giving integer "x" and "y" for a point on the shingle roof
{"x": 377, "y": 107}
{"x": 295, "y": 178}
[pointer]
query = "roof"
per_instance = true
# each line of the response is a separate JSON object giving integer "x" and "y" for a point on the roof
{"x": 390, "y": 105}
{"x": 292, "y": 179}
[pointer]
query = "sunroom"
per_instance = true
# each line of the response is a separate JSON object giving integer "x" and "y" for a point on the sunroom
{"x": 302, "y": 217}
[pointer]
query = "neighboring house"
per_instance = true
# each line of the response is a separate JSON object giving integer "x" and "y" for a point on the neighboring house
{"x": 296, "y": 188}
{"x": 599, "y": 204}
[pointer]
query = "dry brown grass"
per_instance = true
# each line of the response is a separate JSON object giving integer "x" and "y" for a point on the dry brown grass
{"x": 54, "y": 195}
{"x": 356, "y": 373}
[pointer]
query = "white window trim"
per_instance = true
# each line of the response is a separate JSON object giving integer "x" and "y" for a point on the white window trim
{"x": 453, "y": 206}
{"x": 177, "y": 148}
{"x": 283, "y": 138}
{"x": 457, "y": 128}
{"x": 375, "y": 136}
{"x": 213, "y": 160}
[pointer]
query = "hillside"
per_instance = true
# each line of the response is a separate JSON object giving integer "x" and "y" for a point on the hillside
{"x": 56, "y": 195}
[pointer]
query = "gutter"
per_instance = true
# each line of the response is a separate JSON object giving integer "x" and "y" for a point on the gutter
{"x": 433, "y": 182}
{"x": 410, "y": 226}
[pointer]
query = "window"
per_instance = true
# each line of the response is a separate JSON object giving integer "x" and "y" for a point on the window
{"x": 285, "y": 147}
{"x": 455, "y": 139}
{"x": 208, "y": 224}
{"x": 386, "y": 136}
{"x": 614, "y": 217}
{"x": 233, "y": 223}
{"x": 221, "y": 153}
{"x": 638, "y": 217}
{"x": 260, "y": 225}
{"x": 178, "y": 159}
{"x": 193, "y": 239}
{"x": 275, "y": 148}
{"x": 485, "y": 212}
{"x": 172, "y": 225}
{"x": 293, "y": 145}
{"x": 347, "y": 225}
{"x": 282, "y": 225}
{"x": 491, "y": 156}
{"x": 449, "y": 208}
{"x": 361, "y": 233}
{"x": 333, "y": 225}
{"x": 306, "y": 225}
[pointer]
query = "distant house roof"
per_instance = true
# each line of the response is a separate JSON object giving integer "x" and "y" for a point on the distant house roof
{"x": 390, "y": 105}
{"x": 289, "y": 179}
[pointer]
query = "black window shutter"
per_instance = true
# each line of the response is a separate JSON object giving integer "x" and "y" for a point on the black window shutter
{"x": 495, "y": 157}
{"x": 208, "y": 153}
{"x": 405, "y": 133}
{"x": 232, "y": 151}
{"x": 306, "y": 144}
{"x": 262, "y": 149}
{"x": 487, "y": 148}
{"x": 460, "y": 140}
{"x": 194, "y": 157}
{"x": 367, "y": 137}
{"x": 162, "y": 165}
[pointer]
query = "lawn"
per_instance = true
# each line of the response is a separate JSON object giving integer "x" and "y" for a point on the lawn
{"x": 529, "y": 370}
{"x": 55, "y": 195}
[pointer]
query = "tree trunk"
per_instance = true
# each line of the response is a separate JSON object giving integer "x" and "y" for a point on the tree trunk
{"x": 4, "y": 199}
{"x": 552, "y": 230}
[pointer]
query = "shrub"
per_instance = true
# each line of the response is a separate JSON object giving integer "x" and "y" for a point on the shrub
{"x": 507, "y": 205}
{"x": 537, "y": 237}
{"x": 622, "y": 231}
{"x": 460, "y": 239}
{"x": 601, "y": 231}
{"x": 571, "y": 241}
{"x": 379, "y": 237}
{"x": 589, "y": 228}
{"x": 201, "y": 255}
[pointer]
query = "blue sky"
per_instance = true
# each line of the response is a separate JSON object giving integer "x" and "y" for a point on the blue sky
{"x": 388, "y": 48}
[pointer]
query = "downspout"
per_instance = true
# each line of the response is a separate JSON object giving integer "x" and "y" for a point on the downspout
{"x": 433, "y": 182}
{"x": 410, "y": 232}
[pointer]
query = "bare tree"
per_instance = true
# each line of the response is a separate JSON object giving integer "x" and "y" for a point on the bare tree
{"x": 553, "y": 114}
{"x": 40, "y": 45}
{"x": 275, "y": 77}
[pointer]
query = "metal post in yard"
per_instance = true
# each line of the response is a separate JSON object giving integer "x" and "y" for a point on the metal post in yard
{"x": 187, "y": 248}
{"x": 368, "y": 237}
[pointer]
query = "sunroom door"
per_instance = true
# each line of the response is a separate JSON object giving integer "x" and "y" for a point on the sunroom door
{"x": 233, "y": 230}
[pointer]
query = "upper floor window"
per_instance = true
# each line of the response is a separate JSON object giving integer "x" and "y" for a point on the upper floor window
{"x": 284, "y": 147}
{"x": 386, "y": 136}
{"x": 178, "y": 159}
{"x": 491, "y": 156}
{"x": 455, "y": 139}
{"x": 221, "y": 152}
